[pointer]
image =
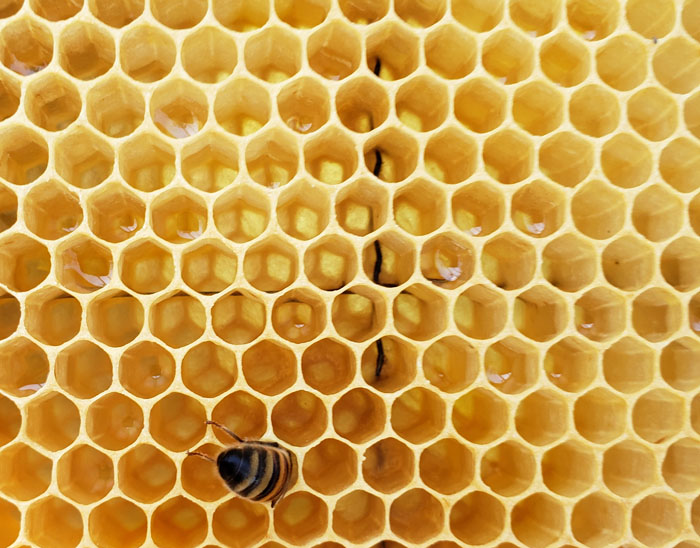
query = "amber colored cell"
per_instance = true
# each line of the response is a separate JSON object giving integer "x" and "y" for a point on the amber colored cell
{"x": 594, "y": 110}
{"x": 146, "y": 162}
{"x": 450, "y": 51}
{"x": 542, "y": 417}
{"x": 628, "y": 365}
{"x": 86, "y": 51}
{"x": 56, "y": 10}
{"x": 480, "y": 416}
{"x": 680, "y": 365}
{"x": 422, "y": 103}
{"x": 446, "y": 466}
{"x": 302, "y": 210}
{"x": 397, "y": 49}
{"x": 330, "y": 467}
{"x": 622, "y": 62}
{"x": 508, "y": 468}
{"x": 243, "y": 413}
{"x": 330, "y": 157}
{"x": 24, "y": 262}
{"x": 569, "y": 263}
{"x": 627, "y": 162}
{"x": 10, "y": 312}
{"x": 85, "y": 474}
{"x": 146, "y": 369}
{"x": 28, "y": 367}
{"x": 364, "y": 12}
{"x": 571, "y": 364}
{"x": 269, "y": 367}
{"x": 478, "y": 208}
{"x": 477, "y": 518}
{"x": 359, "y": 415}
{"x": 362, "y": 104}
{"x": 598, "y": 210}
{"x": 273, "y": 54}
{"x": 51, "y": 211}
{"x": 240, "y": 15}
{"x": 539, "y": 313}
{"x": 208, "y": 369}
{"x": 540, "y": 16}
{"x": 658, "y": 415}
{"x": 242, "y": 107}
{"x": 538, "y": 520}
{"x": 657, "y": 519}
{"x": 419, "y": 208}
{"x": 299, "y": 418}
{"x": 8, "y": 208}
{"x": 114, "y": 421}
{"x": 598, "y": 520}
{"x": 179, "y": 217}
{"x": 146, "y": 267}
{"x": 116, "y": 14}
{"x": 599, "y": 314}
{"x": 450, "y": 364}
{"x": 179, "y": 14}
{"x": 538, "y": 108}
{"x": 419, "y": 313}
{"x": 10, "y": 420}
{"x": 208, "y": 268}
{"x": 330, "y": 263}
{"x": 678, "y": 264}
{"x": 200, "y": 478}
{"x": 240, "y": 523}
{"x": 146, "y": 64}
{"x": 53, "y": 421}
{"x": 508, "y": 56}
{"x": 177, "y": 320}
{"x": 680, "y": 467}
{"x": 447, "y": 260}
{"x": 653, "y": 113}
{"x": 675, "y": 64}
{"x": 117, "y": 523}
{"x": 388, "y": 465}
{"x": 566, "y": 158}
{"x": 480, "y": 105}
{"x": 84, "y": 159}
{"x": 569, "y": 469}
{"x": 53, "y": 518}
{"x": 52, "y": 102}
{"x": 416, "y": 516}
{"x": 389, "y": 261}
{"x": 179, "y": 109}
{"x": 508, "y": 261}
{"x": 52, "y": 316}
{"x": 10, "y": 92}
{"x": 628, "y": 263}
{"x": 31, "y": 472}
{"x": 115, "y": 214}
{"x": 300, "y": 517}
{"x": 657, "y": 213}
{"x": 511, "y": 365}
{"x": 398, "y": 152}
{"x": 238, "y": 317}
{"x": 26, "y": 46}
{"x": 361, "y": 207}
{"x": 478, "y": 15}
{"x": 358, "y": 516}
{"x": 272, "y": 158}
{"x": 177, "y": 421}
{"x": 395, "y": 369}
{"x": 418, "y": 415}
{"x": 565, "y": 60}
{"x": 328, "y": 366}
{"x": 83, "y": 369}
{"x": 304, "y": 105}
{"x": 359, "y": 313}
{"x": 600, "y": 416}
{"x": 24, "y": 155}
{"x": 628, "y": 468}
{"x": 678, "y": 164}
{"x": 333, "y": 51}
{"x": 10, "y": 7}
{"x": 656, "y": 314}
{"x": 270, "y": 265}
{"x": 178, "y": 522}
{"x": 210, "y": 163}
{"x": 694, "y": 313}
{"x": 242, "y": 214}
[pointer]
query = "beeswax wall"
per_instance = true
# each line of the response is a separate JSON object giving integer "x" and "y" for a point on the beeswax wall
{"x": 240, "y": 210}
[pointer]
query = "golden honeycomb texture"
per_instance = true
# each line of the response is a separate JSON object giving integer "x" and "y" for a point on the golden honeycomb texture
{"x": 239, "y": 210}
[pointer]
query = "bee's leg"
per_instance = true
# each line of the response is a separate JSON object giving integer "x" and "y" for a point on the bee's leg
{"x": 229, "y": 432}
{"x": 202, "y": 455}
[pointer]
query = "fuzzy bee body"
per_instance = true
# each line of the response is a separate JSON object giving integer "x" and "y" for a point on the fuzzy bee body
{"x": 256, "y": 470}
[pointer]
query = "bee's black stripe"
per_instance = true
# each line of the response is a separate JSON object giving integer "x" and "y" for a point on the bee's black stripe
{"x": 263, "y": 463}
{"x": 273, "y": 482}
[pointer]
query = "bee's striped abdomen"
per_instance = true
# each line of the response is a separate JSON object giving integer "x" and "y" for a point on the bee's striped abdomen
{"x": 256, "y": 470}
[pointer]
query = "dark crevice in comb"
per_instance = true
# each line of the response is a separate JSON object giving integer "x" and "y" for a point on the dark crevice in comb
{"x": 381, "y": 358}
{"x": 377, "y": 262}
{"x": 377, "y": 163}
{"x": 377, "y": 66}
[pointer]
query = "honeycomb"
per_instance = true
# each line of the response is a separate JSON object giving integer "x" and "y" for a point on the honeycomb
{"x": 241, "y": 211}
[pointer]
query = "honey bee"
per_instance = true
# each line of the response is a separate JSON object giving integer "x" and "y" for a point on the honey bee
{"x": 262, "y": 471}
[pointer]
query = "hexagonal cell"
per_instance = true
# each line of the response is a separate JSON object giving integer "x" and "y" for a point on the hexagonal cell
{"x": 330, "y": 467}
{"x": 594, "y": 110}
{"x": 114, "y": 421}
{"x": 179, "y": 109}
{"x": 361, "y": 207}
{"x": 209, "y": 268}
{"x": 364, "y": 12}
{"x": 85, "y": 50}
{"x": 600, "y": 416}
{"x": 177, "y": 320}
{"x": 11, "y": 420}
{"x": 538, "y": 520}
{"x": 598, "y": 210}
{"x": 146, "y": 369}
{"x": 56, "y": 11}
{"x": 480, "y": 312}
{"x": 622, "y": 62}
{"x": 569, "y": 469}
{"x": 179, "y": 216}
{"x": 242, "y": 214}
{"x": 450, "y": 51}
{"x": 24, "y": 155}
{"x": 11, "y": 518}
{"x": 209, "y": 55}
{"x": 652, "y": 113}
{"x": 330, "y": 157}
{"x": 304, "y": 105}
{"x": 658, "y": 415}
{"x": 446, "y": 466}
{"x": 83, "y": 369}
{"x": 269, "y": 367}
{"x": 678, "y": 164}
{"x": 115, "y": 318}
{"x": 178, "y": 522}
{"x": 478, "y": 15}
{"x": 657, "y": 213}
{"x": 358, "y": 313}
{"x": 85, "y": 474}
{"x": 53, "y": 421}
{"x": 300, "y": 517}
{"x": 416, "y": 516}
{"x": 200, "y": 479}
{"x": 210, "y": 163}
{"x": 299, "y": 315}
{"x": 24, "y": 262}
{"x": 83, "y": 159}
{"x": 333, "y": 51}
{"x": 626, "y": 161}
{"x": 10, "y": 314}
{"x": 392, "y": 51}
{"x": 669, "y": 60}
{"x": 116, "y": 523}
{"x": 447, "y": 260}
{"x": 115, "y": 214}
{"x": 538, "y": 17}
{"x": 680, "y": 366}
{"x": 52, "y": 521}
{"x": 628, "y": 263}
{"x": 362, "y": 104}
{"x": 629, "y": 365}
{"x": 239, "y": 522}
{"x": 690, "y": 20}
{"x": 422, "y": 103}
{"x": 542, "y": 417}
{"x": 423, "y": 14}
{"x": 328, "y": 366}
{"x": 566, "y": 158}
{"x": 26, "y": 46}
{"x": 242, "y": 107}
{"x": 52, "y": 316}
{"x": 271, "y": 265}
{"x": 146, "y": 162}
{"x": 302, "y": 210}
{"x": 146, "y": 64}
{"x": 26, "y": 369}
{"x": 10, "y": 93}
{"x": 538, "y": 108}
{"x": 330, "y": 263}
{"x": 450, "y": 364}
{"x": 84, "y": 265}
{"x": 599, "y": 314}
{"x": 571, "y": 364}
{"x": 239, "y": 317}
{"x": 302, "y": 14}
{"x": 359, "y": 415}
{"x": 511, "y": 365}
{"x": 116, "y": 14}
{"x": 391, "y": 156}
{"x": 450, "y": 156}
{"x": 508, "y": 56}
{"x": 419, "y": 208}
{"x": 565, "y": 60}
{"x": 52, "y": 102}
{"x": 656, "y": 314}
{"x": 598, "y": 520}
{"x": 8, "y": 208}
{"x": 209, "y": 369}
{"x": 418, "y": 415}
{"x": 51, "y": 211}
{"x": 31, "y": 472}
{"x": 480, "y": 416}
{"x": 179, "y": 14}
{"x": 540, "y": 314}
{"x": 240, "y": 15}
{"x": 272, "y": 159}
{"x": 358, "y": 516}
{"x": 508, "y": 468}
{"x": 10, "y": 7}
{"x": 478, "y": 208}
{"x": 509, "y": 158}
{"x": 242, "y": 413}
{"x": 639, "y": 16}
{"x": 594, "y": 19}
{"x": 678, "y": 264}
{"x": 569, "y": 263}
{"x": 177, "y": 421}
{"x": 273, "y": 54}
{"x": 680, "y": 466}
{"x": 299, "y": 418}
{"x": 146, "y": 267}
{"x": 419, "y": 313}
{"x": 480, "y": 105}
{"x": 477, "y": 518}
{"x": 657, "y": 519}
{"x": 508, "y": 261}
